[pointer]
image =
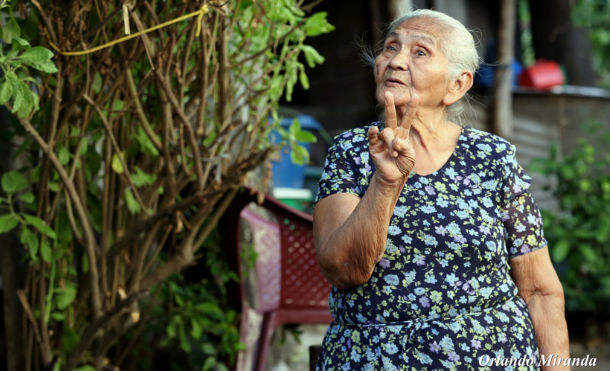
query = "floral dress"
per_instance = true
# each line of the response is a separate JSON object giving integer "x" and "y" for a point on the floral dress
{"x": 442, "y": 296}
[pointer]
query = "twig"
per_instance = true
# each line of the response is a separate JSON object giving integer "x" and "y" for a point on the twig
{"x": 189, "y": 129}
{"x": 185, "y": 252}
{"x": 45, "y": 18}
{"x": 117, "y": 149}
{"x": 167, "y": 132}
{"x": 91, "y": 245}
{"x": 90, "y": 333}
{"x": 140, "y": 112}
{"x": 269, "y": 45}
{"x": 44, "y": 348}
{"x": 149, "y": 47}
{"x": 218, "y": 212}
{"x": 203, "y": 88}
{"x": 167, "y": 212}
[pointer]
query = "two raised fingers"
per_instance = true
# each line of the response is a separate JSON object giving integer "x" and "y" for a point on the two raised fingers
{"x": 397, "y": 143}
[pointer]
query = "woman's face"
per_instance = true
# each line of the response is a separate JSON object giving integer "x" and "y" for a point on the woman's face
{"x": 412, "y": 62}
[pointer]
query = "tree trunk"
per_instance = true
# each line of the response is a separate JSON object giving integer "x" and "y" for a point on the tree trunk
{"x": 556, "y": 38}
{"x": 503, "y": 103}
{"x": 9, "y": 268}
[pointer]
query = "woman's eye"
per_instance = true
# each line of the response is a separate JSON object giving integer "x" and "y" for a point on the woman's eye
{"x": 420, "y": 53}
{"x": 391, "y": 47}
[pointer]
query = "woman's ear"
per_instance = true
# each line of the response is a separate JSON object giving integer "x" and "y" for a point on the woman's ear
{"x": 457, "y": 88}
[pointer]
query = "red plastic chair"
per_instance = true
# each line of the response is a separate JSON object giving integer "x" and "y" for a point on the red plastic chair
{"x": 300, "y": 294}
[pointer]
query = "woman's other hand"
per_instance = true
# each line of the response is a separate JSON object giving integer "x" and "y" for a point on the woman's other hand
{"x": 390, "y": 149}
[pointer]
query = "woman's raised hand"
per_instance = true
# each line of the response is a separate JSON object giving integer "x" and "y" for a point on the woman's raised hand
{"x": 390, "y": 149}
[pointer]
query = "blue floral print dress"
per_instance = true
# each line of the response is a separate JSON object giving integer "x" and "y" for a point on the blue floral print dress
{"x": 442, "y": 296}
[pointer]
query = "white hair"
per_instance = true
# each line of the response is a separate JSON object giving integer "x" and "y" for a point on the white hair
{"x": 457, "y": 45}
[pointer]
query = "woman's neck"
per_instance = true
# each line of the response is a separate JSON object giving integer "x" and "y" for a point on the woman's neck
{"x": 431, "y": 131}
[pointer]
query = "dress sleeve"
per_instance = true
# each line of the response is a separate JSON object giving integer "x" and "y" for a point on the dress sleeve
{"x": 340, "y": 172}
{"x": 520, "y": 215}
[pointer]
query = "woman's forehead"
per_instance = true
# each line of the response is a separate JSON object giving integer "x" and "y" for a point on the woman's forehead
{"x": 421, "y": 28}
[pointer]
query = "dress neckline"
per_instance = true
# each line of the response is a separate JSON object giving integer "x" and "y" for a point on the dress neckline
{"x": 454, "y": 154}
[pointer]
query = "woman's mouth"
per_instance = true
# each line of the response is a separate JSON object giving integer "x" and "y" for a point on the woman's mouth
{"x": 394, "y": 82}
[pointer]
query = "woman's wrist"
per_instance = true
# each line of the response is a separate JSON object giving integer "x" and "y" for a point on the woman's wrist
{"x": 389, "y": 186}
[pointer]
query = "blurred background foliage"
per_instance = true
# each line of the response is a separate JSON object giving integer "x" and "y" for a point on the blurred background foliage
{"x": 578, "y": 232}
{"x": 123, "y": 162}
{"x": 594, "y": 15}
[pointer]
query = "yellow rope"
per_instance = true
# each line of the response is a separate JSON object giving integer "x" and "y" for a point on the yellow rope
{"x": 199, "y": 13}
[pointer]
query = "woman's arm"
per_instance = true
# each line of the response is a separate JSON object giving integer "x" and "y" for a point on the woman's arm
{"x": 539, "y": 286}
{"x": 350, "y": 233}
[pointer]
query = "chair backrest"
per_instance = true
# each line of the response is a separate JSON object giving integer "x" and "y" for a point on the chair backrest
{"x": 303, "y": 285}
{"x": 266, "y": 240}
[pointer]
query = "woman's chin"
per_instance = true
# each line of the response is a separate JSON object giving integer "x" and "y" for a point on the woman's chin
{"x": 401, "y": 95}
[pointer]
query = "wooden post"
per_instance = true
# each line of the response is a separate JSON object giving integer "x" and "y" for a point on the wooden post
{"x": 503, "y": 103}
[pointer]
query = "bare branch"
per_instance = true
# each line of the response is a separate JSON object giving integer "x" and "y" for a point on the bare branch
{"x": 117, "y": 150}
{"x": 84, "y": 219}
{"x": 44, "y": 346}
{"x": 189, "y": 129}
{"x": 140, "y": 112}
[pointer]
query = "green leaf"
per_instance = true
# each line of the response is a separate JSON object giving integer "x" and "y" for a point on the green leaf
{"x": 117, "y": 166}
{"x": 85, "y": 368}
{"x": 299, "y": 154}
{"x": 132, "y": 205}
{"x": 22, "y": 42}
{"x": 29, "y": 239}
{"x": 305, "y": 137}
{"x": 54, "y": 186}
{"x": 40, "y": 225}
{"x": 184, "y": 341}
{"x": 560, "y": 251}
{"x": 11, "y": 30}
{"x": 304, "y": 79}
{"x": 312, "y": 57}
{"x": 589, "y": 253}
{"x": 6, "y": 92}
{"x": 63, "y": 155}
{"x": 13, "y": 181}
{"x": 317, "y": 24}
{"x": 69, "y": 339}
{"x": 84, "y": 145}
{"x": 118, "y": 105}
{"x": 196, "y": 329}
{"x": 28, "y": 198}
{"x": 45, "y": 251}
{"x": 170, "y": 330}
{"x": 295, "y": 127}
{"x": 209, "y": 139}
{"x": 66, "y": 296}
{"x": 146, "y": 145}
{"x": 58, "y": 316}
{"x": 24, "y": 103}
{"x": 97, "y": 82}
{"x": 140, "y": 178}
{"x": 208, "y": 348}
{"x": 39, "y": 58}
{"x": 209, "y": 364}
{"x": 8, "y": 222}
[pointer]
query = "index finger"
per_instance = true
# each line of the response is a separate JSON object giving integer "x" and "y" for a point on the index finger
{"x": 409, "y": 116}
{"x": 390, "y": 111}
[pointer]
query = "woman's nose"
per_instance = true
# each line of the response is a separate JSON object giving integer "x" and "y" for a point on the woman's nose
{"x": 400, "y": 61}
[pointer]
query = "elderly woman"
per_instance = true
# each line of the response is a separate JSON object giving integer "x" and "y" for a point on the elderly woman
{"x": 427, "y": 230}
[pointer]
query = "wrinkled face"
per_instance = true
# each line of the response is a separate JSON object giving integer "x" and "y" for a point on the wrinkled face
{"x": 412, "y": 62}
